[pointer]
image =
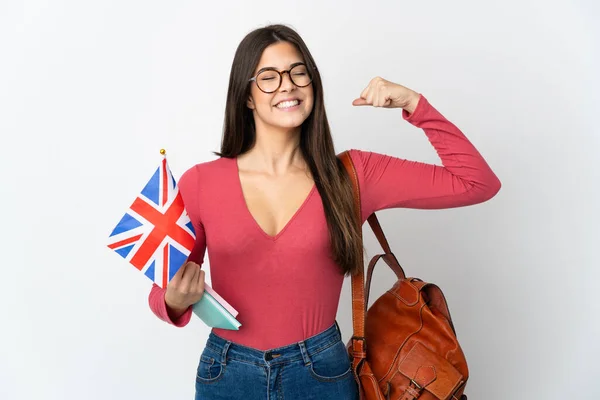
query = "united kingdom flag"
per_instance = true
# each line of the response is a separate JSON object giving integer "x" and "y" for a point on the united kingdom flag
{"x": 155, "y": 235}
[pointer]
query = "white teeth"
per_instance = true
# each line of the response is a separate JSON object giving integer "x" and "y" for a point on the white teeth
{"x": 287, "y": 104}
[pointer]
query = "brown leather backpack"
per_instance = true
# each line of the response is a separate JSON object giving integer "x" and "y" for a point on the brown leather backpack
{"x": 406, "y": 347}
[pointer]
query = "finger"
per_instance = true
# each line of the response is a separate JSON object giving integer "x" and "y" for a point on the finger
{"x": 192, "y": 276}
{"x": 184, "y": 282}
{"x": 200, "y": 281}
{"x": 382, "y": 93}
{"x": 383, "y": 97}
{"x": 363, "y": 94}
{"x": 383, "y": 100}
{"x": 197, "y": 286}
{"x": 360, "y": 102}
{"x": 179, "y": 274}
{"x": 377, "y": 99}
{"x": 191, "y": 284}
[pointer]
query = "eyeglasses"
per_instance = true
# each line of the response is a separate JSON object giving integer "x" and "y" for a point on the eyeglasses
{"x": 269, "y": 80}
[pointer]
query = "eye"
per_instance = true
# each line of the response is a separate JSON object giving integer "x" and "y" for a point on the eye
{"x": 268, "y": 75}
{"x": 299, "y": 70}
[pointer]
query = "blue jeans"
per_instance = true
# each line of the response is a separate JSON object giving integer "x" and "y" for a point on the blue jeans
{"x": 315, "y": 368}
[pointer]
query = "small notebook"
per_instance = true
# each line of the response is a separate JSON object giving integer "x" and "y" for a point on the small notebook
{"x": 215, "y": 312}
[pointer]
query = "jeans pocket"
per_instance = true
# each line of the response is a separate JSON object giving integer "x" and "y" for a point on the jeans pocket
{"x": 331, "y": 364}
{"x": 210, "y": 368}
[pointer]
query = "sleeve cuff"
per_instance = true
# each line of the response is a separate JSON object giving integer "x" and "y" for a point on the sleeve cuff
{"x": 180, "y": 322}
{"x": 418, "y": 111}
{"x": 184, "y": 319}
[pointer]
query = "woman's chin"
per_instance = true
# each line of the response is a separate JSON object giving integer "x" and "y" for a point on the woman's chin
{"x": 288, "y": 123}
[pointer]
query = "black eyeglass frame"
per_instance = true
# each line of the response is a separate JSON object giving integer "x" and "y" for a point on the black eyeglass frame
{"x": 281, "y": 76}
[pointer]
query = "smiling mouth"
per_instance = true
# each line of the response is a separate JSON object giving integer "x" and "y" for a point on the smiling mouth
{"x": 288, "y": 104}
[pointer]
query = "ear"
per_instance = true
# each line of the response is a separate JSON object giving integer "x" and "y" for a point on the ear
{"x": 250, "y": 103}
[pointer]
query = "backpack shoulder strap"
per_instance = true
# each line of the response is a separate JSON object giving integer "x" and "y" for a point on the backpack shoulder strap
{"x": 357, "y": 342}
{"x": 373, "y": 221}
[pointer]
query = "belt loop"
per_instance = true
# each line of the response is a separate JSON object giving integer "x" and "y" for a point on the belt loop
{"x": 337, "y": 326}
{"x": 224, "y": 353}
{"x": 305, "y": 356}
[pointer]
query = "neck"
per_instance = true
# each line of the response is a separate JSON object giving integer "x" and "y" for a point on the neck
{"x": 276, "y": 151}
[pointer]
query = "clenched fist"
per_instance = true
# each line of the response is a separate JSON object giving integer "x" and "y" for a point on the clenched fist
{"x": 186, "y": 288}
{"x": 382, "y": 93}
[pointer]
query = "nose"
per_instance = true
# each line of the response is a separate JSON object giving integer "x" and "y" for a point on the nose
{"x": 286, "y": 82}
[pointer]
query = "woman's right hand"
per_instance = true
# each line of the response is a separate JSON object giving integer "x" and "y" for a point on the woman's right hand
{"x": 186, "y": 288}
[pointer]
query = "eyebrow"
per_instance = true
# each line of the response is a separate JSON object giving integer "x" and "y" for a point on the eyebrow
{"x": 267, "y": 68}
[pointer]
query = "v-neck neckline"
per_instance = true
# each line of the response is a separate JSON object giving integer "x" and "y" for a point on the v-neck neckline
{"x": 240, "y": 190}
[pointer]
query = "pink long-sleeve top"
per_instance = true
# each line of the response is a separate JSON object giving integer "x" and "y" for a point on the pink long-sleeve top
{"x": 287, "y": 288}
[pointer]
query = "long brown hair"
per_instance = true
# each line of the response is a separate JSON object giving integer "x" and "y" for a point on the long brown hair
{"x": 316, "y": 143}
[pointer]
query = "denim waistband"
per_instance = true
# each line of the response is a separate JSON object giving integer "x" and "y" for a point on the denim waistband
{"x": 301, "y": 350}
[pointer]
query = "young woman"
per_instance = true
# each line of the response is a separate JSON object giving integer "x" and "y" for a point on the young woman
{"x": 274, "y": 212}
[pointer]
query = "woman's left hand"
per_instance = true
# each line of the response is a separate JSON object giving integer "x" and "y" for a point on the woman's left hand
{"x": 383, "y": 93}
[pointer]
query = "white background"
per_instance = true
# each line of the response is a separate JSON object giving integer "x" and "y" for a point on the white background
{"x": 90, "y": 91}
